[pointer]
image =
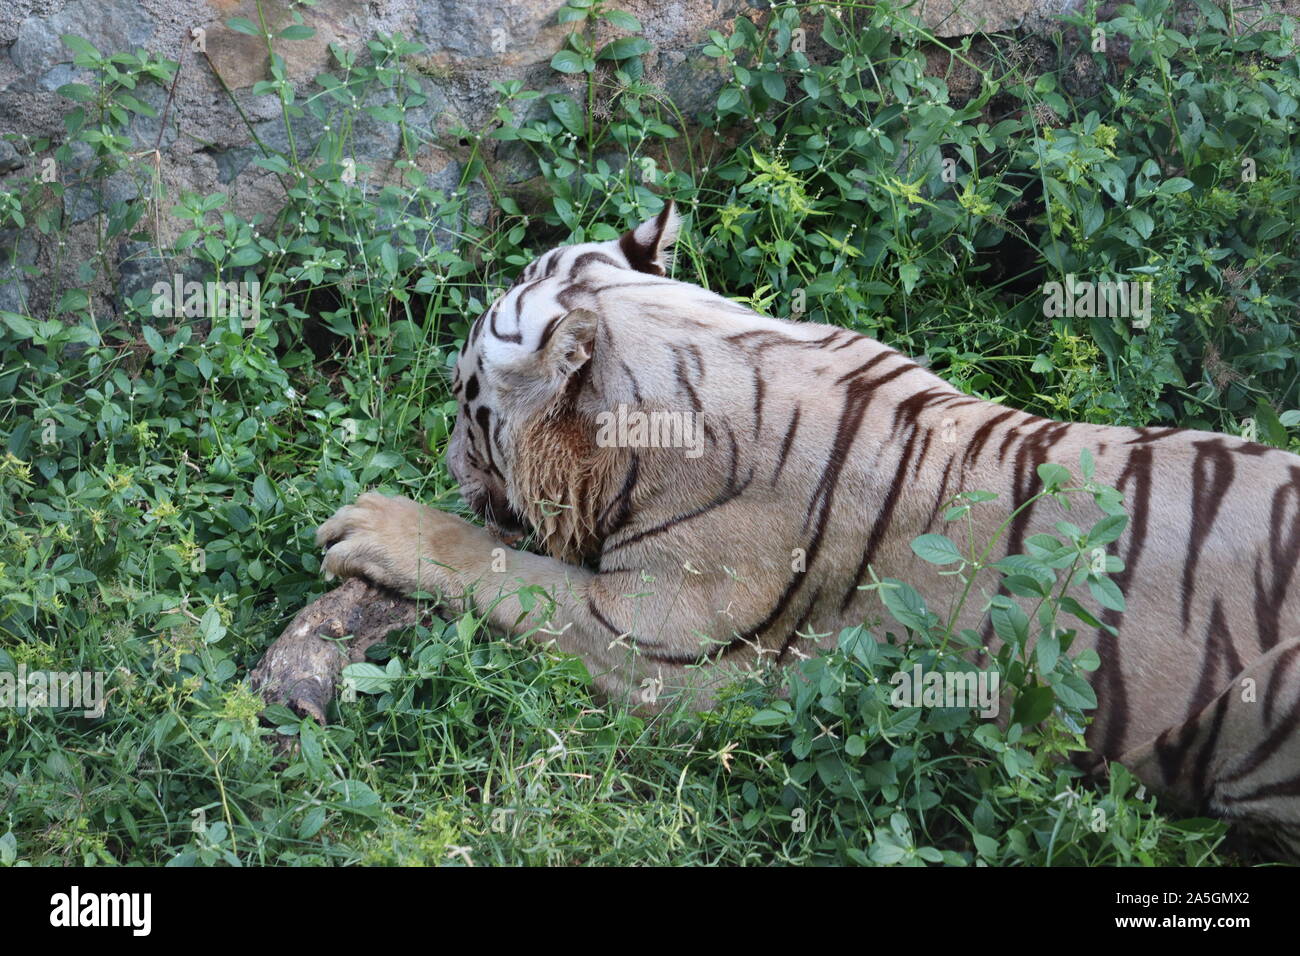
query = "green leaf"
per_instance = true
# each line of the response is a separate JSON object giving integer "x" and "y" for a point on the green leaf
{"x": 79, "y": 45}
{"x": 623, "y": 48}
{"x": 1087, "y": 660}
{"x": 77, "y": 92}
{"x": 1103, "y": 331}
{"x": 1070, "y": 606}
{"x": 244, "y": 25}
{"x": 566, "y": 61}
{"x": 311, "y": 823}
{"x": 1053, "y": 475}
{"x": 388, "y": 257}
{"x": 886, "y": 850}
{"x": 985, "y": 846}
{"x": 775, "y": 716}
{"x": 623, "y": 20}
{"x": 1073, "y": 691}
{"x": 1106, "y": 592}
{"x": 1047, "y": 650}
{"x": 357, "y": 795}
{"x": 1271, "y": 428}
{"x": 1009, "y": 620}
{"x": 244, "y": 256}
{"x": 1273, "y": 227}
{"x": 1141, "y": 222}
{"x": 1086, "y": 466}
{"x": 936, "y": 549}
{"x": 299, "y": 31}
{"x": 910, "y": 273}
{"x": 367, "y": 678}
{"x": 774, "y": 84}
{"x": 568, "y": 113}
{"x": 73, "y": 300}
{"x": 1108, "y": 529}
{"x": 210, "y": 627}
{"x": 906, "y": 606}
{"x": 1111, "y": 178}
{"x": 1033, "y": 704}
{"x": 1193, "y": 125}
{"x": 264, "y": 496}
{"x": 309, "y": 740}
{"x": 1022, "y": 585}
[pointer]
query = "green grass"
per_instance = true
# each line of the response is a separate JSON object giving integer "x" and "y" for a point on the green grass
{"x": 162, "y": 533}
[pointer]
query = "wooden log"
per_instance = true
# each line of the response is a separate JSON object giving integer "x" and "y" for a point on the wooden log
{"x": 301, "y": 668}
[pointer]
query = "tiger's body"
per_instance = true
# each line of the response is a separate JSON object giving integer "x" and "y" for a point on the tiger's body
{"x": 825, "y": 453}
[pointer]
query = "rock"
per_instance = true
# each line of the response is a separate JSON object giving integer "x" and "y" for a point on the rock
{"x": 9, "y": 158}
{"x": 501, "y": 34}
{"x": 140, "y": 268}
{"x": 113, "y": 26}
{"x": 242, "y": 60}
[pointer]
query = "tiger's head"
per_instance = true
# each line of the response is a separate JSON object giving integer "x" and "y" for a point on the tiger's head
{"x": 522, "y": 449}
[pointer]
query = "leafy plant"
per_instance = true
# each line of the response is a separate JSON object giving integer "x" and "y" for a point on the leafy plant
{"x": 160, "y": 474}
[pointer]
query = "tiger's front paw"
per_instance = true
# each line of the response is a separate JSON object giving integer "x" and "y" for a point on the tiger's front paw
{"x": 388, "y": 541}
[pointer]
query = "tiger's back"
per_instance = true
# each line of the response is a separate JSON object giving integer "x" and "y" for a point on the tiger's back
{"x": 840, "y": 451}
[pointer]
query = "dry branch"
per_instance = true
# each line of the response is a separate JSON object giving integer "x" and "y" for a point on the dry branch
{"x": 301, "y": 668}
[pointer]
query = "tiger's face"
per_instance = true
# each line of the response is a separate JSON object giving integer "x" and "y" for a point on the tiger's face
{"x": 524, "y": 358}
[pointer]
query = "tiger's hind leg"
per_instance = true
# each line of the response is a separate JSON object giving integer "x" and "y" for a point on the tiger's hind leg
{"x": 1239, "y": 757}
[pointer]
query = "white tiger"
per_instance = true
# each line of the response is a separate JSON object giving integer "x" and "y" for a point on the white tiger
{"x": 827, "y": 445}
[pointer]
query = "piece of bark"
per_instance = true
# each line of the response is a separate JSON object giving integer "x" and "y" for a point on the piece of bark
{"x": 301, "y": 668}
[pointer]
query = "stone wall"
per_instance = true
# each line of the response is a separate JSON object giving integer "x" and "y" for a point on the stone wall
{"x": 206, "y": 142}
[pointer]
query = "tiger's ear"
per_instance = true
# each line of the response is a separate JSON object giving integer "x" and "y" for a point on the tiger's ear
{"x": 647, "y": 246}
{"x": 569, "y": 345}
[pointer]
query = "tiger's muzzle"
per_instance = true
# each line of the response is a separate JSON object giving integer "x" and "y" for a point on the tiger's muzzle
{"x": 483, "y": 492}
{"x": 493, "y": 507}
